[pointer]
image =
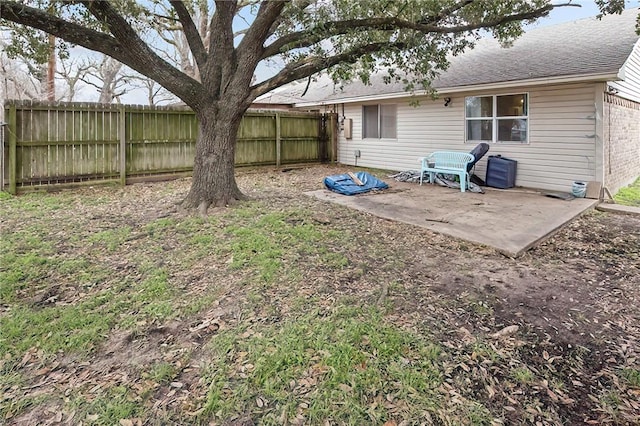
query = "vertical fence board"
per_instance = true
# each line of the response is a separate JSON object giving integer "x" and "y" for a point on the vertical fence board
{"x": 278, "y": 140}
{"x": 123, "y": 145}
{"x": 13, "y": 154}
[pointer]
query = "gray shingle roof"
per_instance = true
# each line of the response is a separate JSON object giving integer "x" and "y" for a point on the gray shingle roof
{"x": 584, "y": 47}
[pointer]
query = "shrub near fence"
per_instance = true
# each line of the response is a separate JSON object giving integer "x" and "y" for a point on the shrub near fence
{"x": 60, "y": 144}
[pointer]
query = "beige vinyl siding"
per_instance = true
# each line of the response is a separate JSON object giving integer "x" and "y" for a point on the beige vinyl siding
{"x": 421, "y": 129}
{"x": 629, "y": 87}
{"x": 561, "y": 146}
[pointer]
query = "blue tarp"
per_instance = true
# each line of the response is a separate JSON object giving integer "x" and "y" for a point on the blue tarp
{"x": 343, "y": 184}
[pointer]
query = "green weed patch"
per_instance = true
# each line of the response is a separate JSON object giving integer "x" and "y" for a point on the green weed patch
{"x": 630, "y": 195}
{"x": 348, "y": 367}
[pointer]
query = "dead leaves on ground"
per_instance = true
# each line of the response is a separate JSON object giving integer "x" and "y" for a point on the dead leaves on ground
{"x": 501, "y": 370}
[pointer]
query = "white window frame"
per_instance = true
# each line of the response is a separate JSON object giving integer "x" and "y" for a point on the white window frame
{"x": 495, "y": 119}
{"x": 379, "y": 124}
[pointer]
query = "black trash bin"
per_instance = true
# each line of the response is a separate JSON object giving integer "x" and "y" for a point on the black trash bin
{"x": 501, "y": 172}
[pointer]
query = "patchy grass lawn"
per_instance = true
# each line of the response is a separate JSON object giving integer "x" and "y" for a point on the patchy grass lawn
{"x": 630, "y": 195}
{"x": 116, "y": 308}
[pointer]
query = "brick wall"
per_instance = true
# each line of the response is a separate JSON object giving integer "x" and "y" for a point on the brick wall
{"x": 621, "y": 142}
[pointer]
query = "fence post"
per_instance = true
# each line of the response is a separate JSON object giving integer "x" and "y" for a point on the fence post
{"x": 123, "y": 145}
{"x": 278, "y": 141}
{"x": 13, "y": 152}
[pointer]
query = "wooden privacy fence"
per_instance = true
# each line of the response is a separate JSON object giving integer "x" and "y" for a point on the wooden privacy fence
{"x": 56, "y": 144}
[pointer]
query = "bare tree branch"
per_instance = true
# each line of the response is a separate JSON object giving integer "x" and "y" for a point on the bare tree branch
{"x": 203, "y": 20}
{"x": 152, "y": 65}
{"x": 191, "y": 33}
{"x": 240, "y": 32}
{"x": 71, "y": 73}
{"x": 16, "y": 84}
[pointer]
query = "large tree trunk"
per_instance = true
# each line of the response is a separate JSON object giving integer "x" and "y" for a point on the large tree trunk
{"x": 214, "y": 182}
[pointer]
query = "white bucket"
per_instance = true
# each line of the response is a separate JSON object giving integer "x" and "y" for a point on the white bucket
{"x": 579, "y": 189}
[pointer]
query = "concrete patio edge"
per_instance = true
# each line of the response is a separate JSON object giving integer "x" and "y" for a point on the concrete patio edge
{"x": 568, "y": 219}
{"x": 617, "y": 208}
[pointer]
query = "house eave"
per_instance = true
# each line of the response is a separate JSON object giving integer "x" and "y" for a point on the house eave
{"x": 609, "y": 76}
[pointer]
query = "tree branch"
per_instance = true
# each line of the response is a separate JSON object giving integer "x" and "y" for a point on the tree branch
{"x": 250, "y": 48}
{"x": 221, "y": 65}
{"x": 240, "y": 32}
{"x": 221, "y": 19}
{"x": 447, "y": 11}
{"x": 69, "y": 31}
{"x": 191, "y": 33}
{"x": 123, "y": 45}
{"x": 259, "y": 31}
{"x": 306, "y": 38}
{"x": 165, "y": 17}
{"x": 89, "y": 82}
{"x": 312, "y": 65}
{"x": 537, "y": 13}
{"x": 300, "y": 4}
{"x": 139, "y": 56}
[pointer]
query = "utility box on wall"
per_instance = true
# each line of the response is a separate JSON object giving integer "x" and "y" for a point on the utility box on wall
{"x": 348, "y": 128}
{"x": 501, "y": 172}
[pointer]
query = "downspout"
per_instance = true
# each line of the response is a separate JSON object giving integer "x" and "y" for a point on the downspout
{"x": 600, "y": 134}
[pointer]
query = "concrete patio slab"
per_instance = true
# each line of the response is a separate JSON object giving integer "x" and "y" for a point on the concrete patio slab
{"x": 511, "y": 221}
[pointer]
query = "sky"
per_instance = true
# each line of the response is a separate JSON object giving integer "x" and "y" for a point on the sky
{"x": 571, "y": 13}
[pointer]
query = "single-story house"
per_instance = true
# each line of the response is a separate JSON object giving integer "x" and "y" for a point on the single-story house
{"x": 563, "y": 101}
